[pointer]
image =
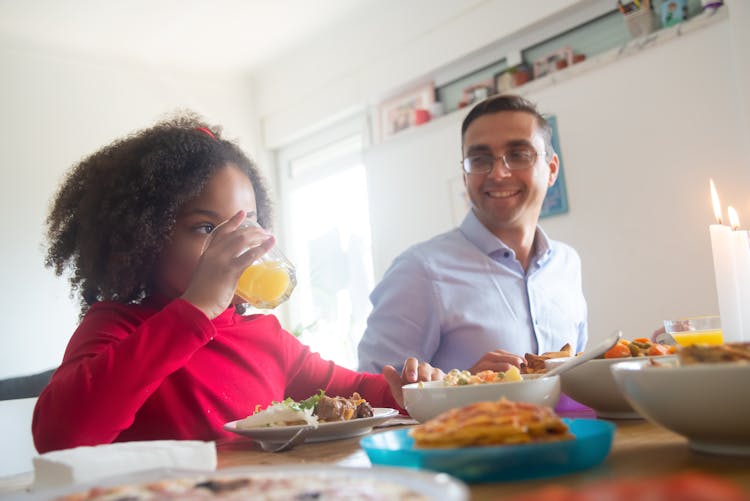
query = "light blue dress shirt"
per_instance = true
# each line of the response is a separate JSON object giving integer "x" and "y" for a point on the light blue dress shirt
{"x": 455, "y": 297}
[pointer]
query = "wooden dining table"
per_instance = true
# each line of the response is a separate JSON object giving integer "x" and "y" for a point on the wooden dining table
{"x": 640, "y": 450}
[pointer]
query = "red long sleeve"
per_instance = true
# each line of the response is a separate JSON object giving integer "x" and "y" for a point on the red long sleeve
{"x": 143, "y": 372}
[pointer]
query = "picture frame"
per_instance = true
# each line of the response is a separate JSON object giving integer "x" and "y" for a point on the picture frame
{"x": 477, "y": 92}
{"x": 672, "y": 12}
{"x": 397, "y": 114}
{"x": 561, "y": 58}
{"x": 556, "y": 200}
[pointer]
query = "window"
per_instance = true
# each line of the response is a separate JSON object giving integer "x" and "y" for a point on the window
{"x": 327, "y": 236}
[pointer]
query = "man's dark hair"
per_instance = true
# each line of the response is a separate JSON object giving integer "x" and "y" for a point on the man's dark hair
{"x": 510, "y": 102}
{"x": 117, "y": 208}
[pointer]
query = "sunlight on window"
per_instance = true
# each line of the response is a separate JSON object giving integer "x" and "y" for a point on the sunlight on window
{"x": 330, "y": 229}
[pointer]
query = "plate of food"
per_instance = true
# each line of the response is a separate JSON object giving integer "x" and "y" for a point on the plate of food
{"x": 495, "y": 442}
{"x": 278, "y": 482}
{"x": 323, "y": 417}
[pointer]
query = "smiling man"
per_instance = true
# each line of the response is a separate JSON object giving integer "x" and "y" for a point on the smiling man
{"x": 496, "y": 287}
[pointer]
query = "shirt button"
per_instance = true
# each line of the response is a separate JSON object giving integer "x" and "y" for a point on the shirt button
{"x": 506, "y": 254}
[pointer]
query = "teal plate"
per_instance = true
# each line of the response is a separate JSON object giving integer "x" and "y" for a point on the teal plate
{"x": 593, "y": 440}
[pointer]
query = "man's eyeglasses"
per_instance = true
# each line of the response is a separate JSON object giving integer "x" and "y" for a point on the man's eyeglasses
{"x": 515, "y": 159}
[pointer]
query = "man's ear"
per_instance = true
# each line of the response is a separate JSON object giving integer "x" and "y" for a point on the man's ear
{"x": 554, "y": 166}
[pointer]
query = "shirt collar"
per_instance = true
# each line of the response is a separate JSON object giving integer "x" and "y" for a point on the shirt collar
{"x": 542, "y": 246}
{"x": 478, "y": 234}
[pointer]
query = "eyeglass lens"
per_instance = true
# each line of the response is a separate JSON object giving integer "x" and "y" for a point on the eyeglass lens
{"x": 516, "y": 159}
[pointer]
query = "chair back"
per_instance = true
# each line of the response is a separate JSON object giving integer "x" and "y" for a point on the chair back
{"x": 16, "y": 443}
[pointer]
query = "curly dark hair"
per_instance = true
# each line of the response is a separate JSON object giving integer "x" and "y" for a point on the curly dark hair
{"x": 116, "y": 209}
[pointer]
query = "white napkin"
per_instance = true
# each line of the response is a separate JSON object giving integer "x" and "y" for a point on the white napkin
{"x": 88, "y": 464}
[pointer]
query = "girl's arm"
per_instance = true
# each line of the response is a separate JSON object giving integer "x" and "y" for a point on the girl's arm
{"x": 116, "y": 359}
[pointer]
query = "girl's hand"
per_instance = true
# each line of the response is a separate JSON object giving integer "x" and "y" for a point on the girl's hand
{"x": 412, "y": 372}
{"x": 229, "y": 250}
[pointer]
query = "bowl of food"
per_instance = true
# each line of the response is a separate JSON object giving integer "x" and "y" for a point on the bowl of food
{"x": 702, "y": 395}
{"x": 426, "y": 400}
{"x": 592, "y": 384}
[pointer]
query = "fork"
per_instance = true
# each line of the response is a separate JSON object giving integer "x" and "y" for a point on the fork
{"x": 295, "y": 439}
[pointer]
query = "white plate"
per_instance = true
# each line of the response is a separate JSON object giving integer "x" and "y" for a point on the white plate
{"x": 270, "y": 435}
{"x": 428, "y": 484}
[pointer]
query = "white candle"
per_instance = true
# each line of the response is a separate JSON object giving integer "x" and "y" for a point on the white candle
{"x": 724, "y": 272}
{"x": 741, "y": 248}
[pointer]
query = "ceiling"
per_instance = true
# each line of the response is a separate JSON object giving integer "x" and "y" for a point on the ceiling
{"x": 203, "y": 35}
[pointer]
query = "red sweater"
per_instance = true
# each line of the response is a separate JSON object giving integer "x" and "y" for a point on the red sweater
{"x": 165, "y": 371}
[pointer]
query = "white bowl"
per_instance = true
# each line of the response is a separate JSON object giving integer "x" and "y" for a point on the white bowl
{"x": 707, "y": 403}
{"x": 426, "y": 400}
{"x": 592, "y": 384}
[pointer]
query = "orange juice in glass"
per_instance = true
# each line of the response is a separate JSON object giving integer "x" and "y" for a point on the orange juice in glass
{"x": 269, "y": 281}
{"x": 695, "y": 330}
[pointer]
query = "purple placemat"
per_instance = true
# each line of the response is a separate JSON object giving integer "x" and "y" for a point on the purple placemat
{"x": 567, "y": 407}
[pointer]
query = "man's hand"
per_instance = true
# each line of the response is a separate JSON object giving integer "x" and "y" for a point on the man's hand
{"x": 498, "y": 361}
{"x": 658, "y": 332}
{"x": 413, "y": 371}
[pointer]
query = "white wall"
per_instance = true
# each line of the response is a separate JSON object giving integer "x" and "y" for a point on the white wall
{"x": 640, "y": 137}
{"x": 388, "y": 45}
{"x": 57, "y": 109}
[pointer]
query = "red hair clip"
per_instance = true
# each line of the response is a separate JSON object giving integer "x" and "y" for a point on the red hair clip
{"x": 206, "y": 131}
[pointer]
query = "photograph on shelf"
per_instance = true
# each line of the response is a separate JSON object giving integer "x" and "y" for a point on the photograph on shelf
{"x": 476, "y": 92}
{"x": 406, "y": 110}
{"x": 550, "y": 63}
{"x": 556, "y": 200}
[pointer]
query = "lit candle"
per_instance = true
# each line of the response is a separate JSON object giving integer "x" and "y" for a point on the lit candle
{"x": 724, "y": 271}
{"x": 741, "y": 247}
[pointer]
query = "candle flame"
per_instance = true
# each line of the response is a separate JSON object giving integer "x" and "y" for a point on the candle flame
{"x": 734, "y": 219}
{"x": 715, "y": 201}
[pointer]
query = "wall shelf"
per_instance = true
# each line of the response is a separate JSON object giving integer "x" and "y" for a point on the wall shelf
{"x": 630, "y": 48}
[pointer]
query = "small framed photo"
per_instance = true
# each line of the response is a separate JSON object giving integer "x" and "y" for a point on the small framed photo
{"x": 476, "y": 92}
{"x": 550, "y": 63}
{"x": 398, "y": 113}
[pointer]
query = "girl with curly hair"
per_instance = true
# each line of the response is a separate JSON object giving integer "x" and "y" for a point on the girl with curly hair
{"x": 161, "y": 352}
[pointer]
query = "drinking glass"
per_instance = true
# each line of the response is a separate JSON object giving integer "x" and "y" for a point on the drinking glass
{"x": 268, "y": 281}
{"x": 695, "y": 330}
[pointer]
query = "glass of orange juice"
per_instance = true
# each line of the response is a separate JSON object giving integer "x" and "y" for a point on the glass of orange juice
{"x": 269, "y": 281}
{"x": 695, "y": 330}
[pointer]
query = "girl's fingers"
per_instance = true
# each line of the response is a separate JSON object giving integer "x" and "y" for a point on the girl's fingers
{"x": 231, "y": 244}
{"x": 255, "y": 252}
